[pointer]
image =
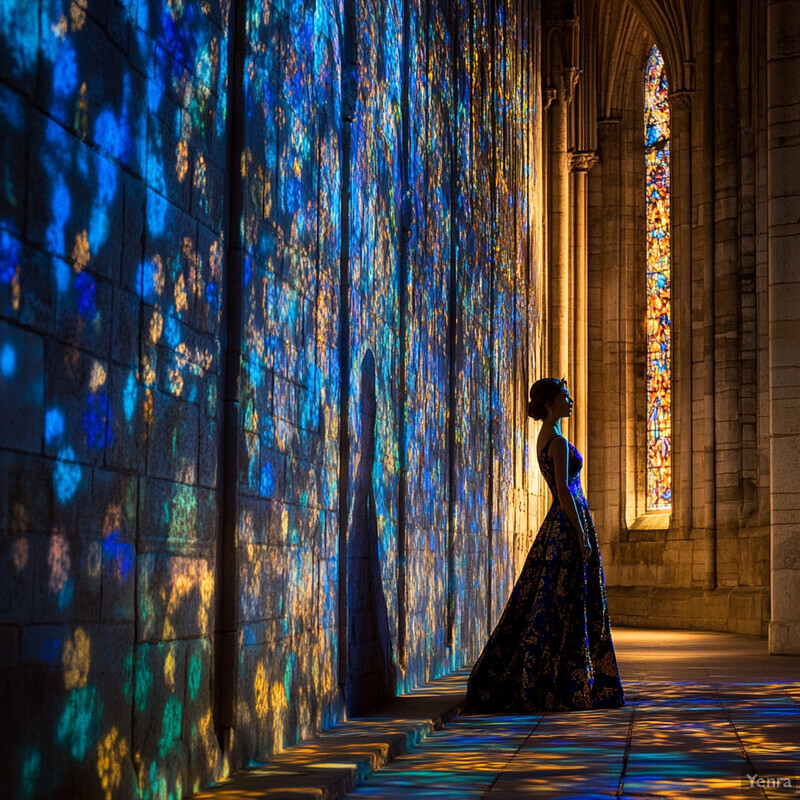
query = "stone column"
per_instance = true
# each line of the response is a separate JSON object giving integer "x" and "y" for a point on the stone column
{"x": 727, "y": 295}
{"x": 581, "y": 164}
{"x": 559, "y": 76}
{"x": 681, "y": 279}
{"x": 607, "y": 450}
{"x": 783, "y": 208}
{"x": 558, "y": 218}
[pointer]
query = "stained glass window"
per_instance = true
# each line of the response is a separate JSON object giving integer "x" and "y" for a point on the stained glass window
{"x": 659, "y": 317}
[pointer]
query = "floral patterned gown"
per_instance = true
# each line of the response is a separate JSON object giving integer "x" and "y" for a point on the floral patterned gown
{"x": 552, "y": 648}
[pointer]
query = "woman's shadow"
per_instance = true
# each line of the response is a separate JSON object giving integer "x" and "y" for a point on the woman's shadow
{"x": 370, "y": 671}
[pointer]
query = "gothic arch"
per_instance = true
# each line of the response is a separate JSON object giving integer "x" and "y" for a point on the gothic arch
{"x": 668, "y": 23}
{"x": 622, "y": 42}
{"x": 620, "y": 28}
{"x": 655, "y": 560}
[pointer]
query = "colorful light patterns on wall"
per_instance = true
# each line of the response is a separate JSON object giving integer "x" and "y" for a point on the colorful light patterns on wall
{"x": 659, "y": 319}
{"x": 116, "y": 253}
{"x": 111, "y": 256}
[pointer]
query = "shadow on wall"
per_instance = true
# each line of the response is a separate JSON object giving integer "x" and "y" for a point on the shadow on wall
{"x": 370, "y": 671}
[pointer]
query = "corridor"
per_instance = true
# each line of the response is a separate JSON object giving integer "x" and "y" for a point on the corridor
{"x": 704, "y": 711}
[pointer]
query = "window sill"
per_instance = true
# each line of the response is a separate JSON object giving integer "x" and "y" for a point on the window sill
{"x": 654, "y": 521}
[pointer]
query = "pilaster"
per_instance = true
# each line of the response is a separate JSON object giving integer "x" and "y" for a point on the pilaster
{"x": 606, "y": 372}
{"x": 681, "y": 284}
{"x": 581, "y": 163}
{"x": 783, "y": 188}
{"x": 561, "y": 75}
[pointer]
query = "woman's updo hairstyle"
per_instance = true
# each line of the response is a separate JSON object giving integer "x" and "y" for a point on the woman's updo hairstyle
{"x": 543, "y": 393}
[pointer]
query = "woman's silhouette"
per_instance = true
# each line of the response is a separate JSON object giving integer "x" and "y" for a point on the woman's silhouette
{"x": 552, "y": 648}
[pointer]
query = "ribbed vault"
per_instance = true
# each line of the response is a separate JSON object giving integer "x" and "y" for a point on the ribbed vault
{"x": 618, "y": 36}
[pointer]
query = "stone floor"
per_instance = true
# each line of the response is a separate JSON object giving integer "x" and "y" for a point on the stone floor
{"x": 704, "y": 711}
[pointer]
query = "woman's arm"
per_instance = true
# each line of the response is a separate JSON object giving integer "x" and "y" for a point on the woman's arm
{"x": 559, "y": 451}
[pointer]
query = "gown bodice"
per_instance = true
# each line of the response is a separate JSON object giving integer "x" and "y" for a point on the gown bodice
{"x": 574, "y": 466}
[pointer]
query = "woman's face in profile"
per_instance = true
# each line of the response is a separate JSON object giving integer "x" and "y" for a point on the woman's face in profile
{"x": 562, "y": 405}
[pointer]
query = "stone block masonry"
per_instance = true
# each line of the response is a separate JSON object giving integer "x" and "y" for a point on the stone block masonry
{"x": 723, "y": 556}
{"x": 264, "y": 276}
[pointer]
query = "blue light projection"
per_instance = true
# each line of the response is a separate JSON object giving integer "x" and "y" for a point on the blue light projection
{"x": 112, "y": 167}
{"x": 53, "y": 424}
{"x": 31, "y": 768}
{"x": 119, "y": 221}
{"x": 8, "y": 360}
{"x": 66, "y": 475}
{"x": 427, "y": 336}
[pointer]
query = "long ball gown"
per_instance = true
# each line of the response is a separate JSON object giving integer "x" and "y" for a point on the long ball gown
{"x": 552, "y": 648}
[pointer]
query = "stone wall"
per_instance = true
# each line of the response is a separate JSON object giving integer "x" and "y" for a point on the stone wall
{"x": 782, "y": 50}
{"x": 270, "y": 303}
{"x": 706, "y": 563}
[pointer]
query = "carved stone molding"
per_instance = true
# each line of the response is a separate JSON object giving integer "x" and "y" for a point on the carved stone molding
{"x": 583, "y": 161}
{"x": 681, "y": 100}
{"x": 561, "y": 49}
{"x": 570, "y": 80}
{"x": 564, "y": 90}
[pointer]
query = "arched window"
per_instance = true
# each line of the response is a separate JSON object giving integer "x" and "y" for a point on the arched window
{"x": 658, "y": 325}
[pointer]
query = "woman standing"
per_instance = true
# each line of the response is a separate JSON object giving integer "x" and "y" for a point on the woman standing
{"x": 552, "y": 648}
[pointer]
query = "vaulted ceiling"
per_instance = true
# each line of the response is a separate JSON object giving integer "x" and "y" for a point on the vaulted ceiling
{"x": 616, "y": 36}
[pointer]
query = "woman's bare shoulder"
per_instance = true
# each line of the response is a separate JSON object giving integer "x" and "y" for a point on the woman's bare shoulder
{"x": 559, "y": 440}
{"x": 547, "y": 444}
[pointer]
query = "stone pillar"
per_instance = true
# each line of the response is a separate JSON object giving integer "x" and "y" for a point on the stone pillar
{"x": 606, "y": 370}
{"x": 581, "y": 164}
{"x": 558, "y": 218}
{"x": 704, "y": 557}
{"x": 681, "y": 278}
{"x": 783, "y": 188}
{"x": 560, "y": 74}
{"x": 727, "y": 295}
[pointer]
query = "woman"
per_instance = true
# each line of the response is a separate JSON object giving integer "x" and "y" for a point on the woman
{"x": 552, "y": 649}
